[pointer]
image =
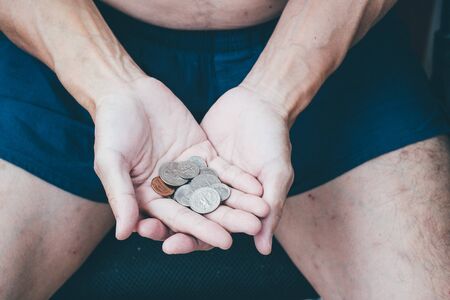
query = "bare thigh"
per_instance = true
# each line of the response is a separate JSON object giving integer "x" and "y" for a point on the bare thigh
{"x": 380, "y": 231}
{"x": 46, "y": 234}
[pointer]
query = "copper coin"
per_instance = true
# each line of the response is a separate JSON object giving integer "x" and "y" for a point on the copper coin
{"x": 161, "y": 188}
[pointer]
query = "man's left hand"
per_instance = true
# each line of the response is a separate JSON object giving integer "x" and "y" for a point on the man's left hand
{"x": 252, "y": 133}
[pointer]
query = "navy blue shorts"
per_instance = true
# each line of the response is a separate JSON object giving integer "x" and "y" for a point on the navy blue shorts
{"x": 376, "y": 102}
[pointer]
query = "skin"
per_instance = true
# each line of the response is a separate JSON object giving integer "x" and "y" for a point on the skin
{"x": 259, "y": 143}
{"x": 301, "y": 53}
{"x": 310, "y": 41}
{"x": 126, "y": 168}
{"x": 129, "y": 151}
{"x": 73, "y": 231}
{"x": 317, "y": 230}
{"x": 201, "y": 14}
{"x": 380, "y": 231}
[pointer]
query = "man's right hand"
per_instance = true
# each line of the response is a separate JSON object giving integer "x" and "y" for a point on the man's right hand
{"x": 139, "y": 122}
{"x": 138, "y": 129}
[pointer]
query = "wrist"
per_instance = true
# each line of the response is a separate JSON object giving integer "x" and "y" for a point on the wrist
{"x": 289, "y": 94}
{"x": 290, "y": 77}
{"x": 74, "y": 40}
{"x": 90, "y": 79}
{"x": 285, "y": 85}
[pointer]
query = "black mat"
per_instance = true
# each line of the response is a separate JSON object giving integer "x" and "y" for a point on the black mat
{"x": 138, "y": 269}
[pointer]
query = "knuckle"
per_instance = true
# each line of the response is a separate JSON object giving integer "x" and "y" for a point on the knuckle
{"x": 97, "y": 168}
{"x": 289, "y": 145}
{"x": 112, "y": 199}
{"x": 263, "y": 209}
{"x": 199, "y": 228}
{"x": 105, "y": 158}
{"x": 286, "y": 174}
{"x": 156, "y": 83}
{"x": 256, "y": 227}
{"x": 278, "y": 207}
{"x": 98, "y": 163}
{"x": 178, "y": 219}
{"x": 100, "y": 160}
{"x": 278, "y": 214}
{"x": 231, "y": 200}
{"x": 200, "y": 224}
{"x": 233, "y": 173}
{"x": 290, "y": 174}
{"x": 227, "y": 217}
{"x": 123, "y": 197}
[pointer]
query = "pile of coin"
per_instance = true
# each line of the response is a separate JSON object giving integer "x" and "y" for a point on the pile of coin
{"x": 192, "y": 184}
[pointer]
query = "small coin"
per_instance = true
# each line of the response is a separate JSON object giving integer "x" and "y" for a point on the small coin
{"x": 204, "y": 180}
{"x": 187, "y": 169}
{"x": 200, "y": 162}
{"x": 223, "y": 190}
{"x": 208, "y": 171}
{"x": 160, "y": 187}
{"x": 183, "y": 195}
{"x": 205, "y": 200}
{"x": 170, "y": 175}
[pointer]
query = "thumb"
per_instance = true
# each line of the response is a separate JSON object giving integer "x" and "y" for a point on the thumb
{"x": 114, "y": 173}
{"x": 276, "y": 188}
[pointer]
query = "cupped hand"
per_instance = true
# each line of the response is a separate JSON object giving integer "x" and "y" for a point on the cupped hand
{"x": 138, "y": 129}
{"x": 252, "y": 133}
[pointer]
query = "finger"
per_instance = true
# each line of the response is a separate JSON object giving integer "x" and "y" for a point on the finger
{"x": 228, "y": 173}
{"x": 181, "y": 219}
{"x": 181, "y": 243}
{"x": 263, "y": 240}
{"x": 140, "y": 217}
{"x": 236, "y": 177}
{"x": 248, "y": 202}
{"x": 113, "y": 171}
{"x": 276, "y": 188}
{"x": 153, "y": 229}
{"x": 235, "y": 220}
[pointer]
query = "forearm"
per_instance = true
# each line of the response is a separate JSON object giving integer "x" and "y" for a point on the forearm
{"x": 72, "y": 38}
{"x": 308, "y": 44}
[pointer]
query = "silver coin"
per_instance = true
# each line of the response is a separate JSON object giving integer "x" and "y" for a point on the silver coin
{"x": 205, "y": 200}
{"x": 169, "y": 174}
{"x": 200, "y": 162}
{"x": 204, "y": 180}
{"x": 223, "y": 190}
{"x": 182, "y": 195}
{"x": 208, "y": 171}
{"x": 187, "y": 169}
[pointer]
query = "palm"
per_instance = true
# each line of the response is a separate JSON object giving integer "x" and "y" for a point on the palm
{"x": 253, "y": 136}
{"x": 137, "y": 132}
{"x": 143, "y": 138}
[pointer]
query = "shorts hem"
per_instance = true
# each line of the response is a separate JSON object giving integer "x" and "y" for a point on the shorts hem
{"x": 56, "y": 179}
{"x": 365, "y": 155}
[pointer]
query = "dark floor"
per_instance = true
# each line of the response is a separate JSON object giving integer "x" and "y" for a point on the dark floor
{"x": 138, "y": 269}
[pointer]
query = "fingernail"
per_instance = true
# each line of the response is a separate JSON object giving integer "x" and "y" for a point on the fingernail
{"x": 268, "y": 247}
{"x": 119, "y": 231}
{"x": 165, "y": 250}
